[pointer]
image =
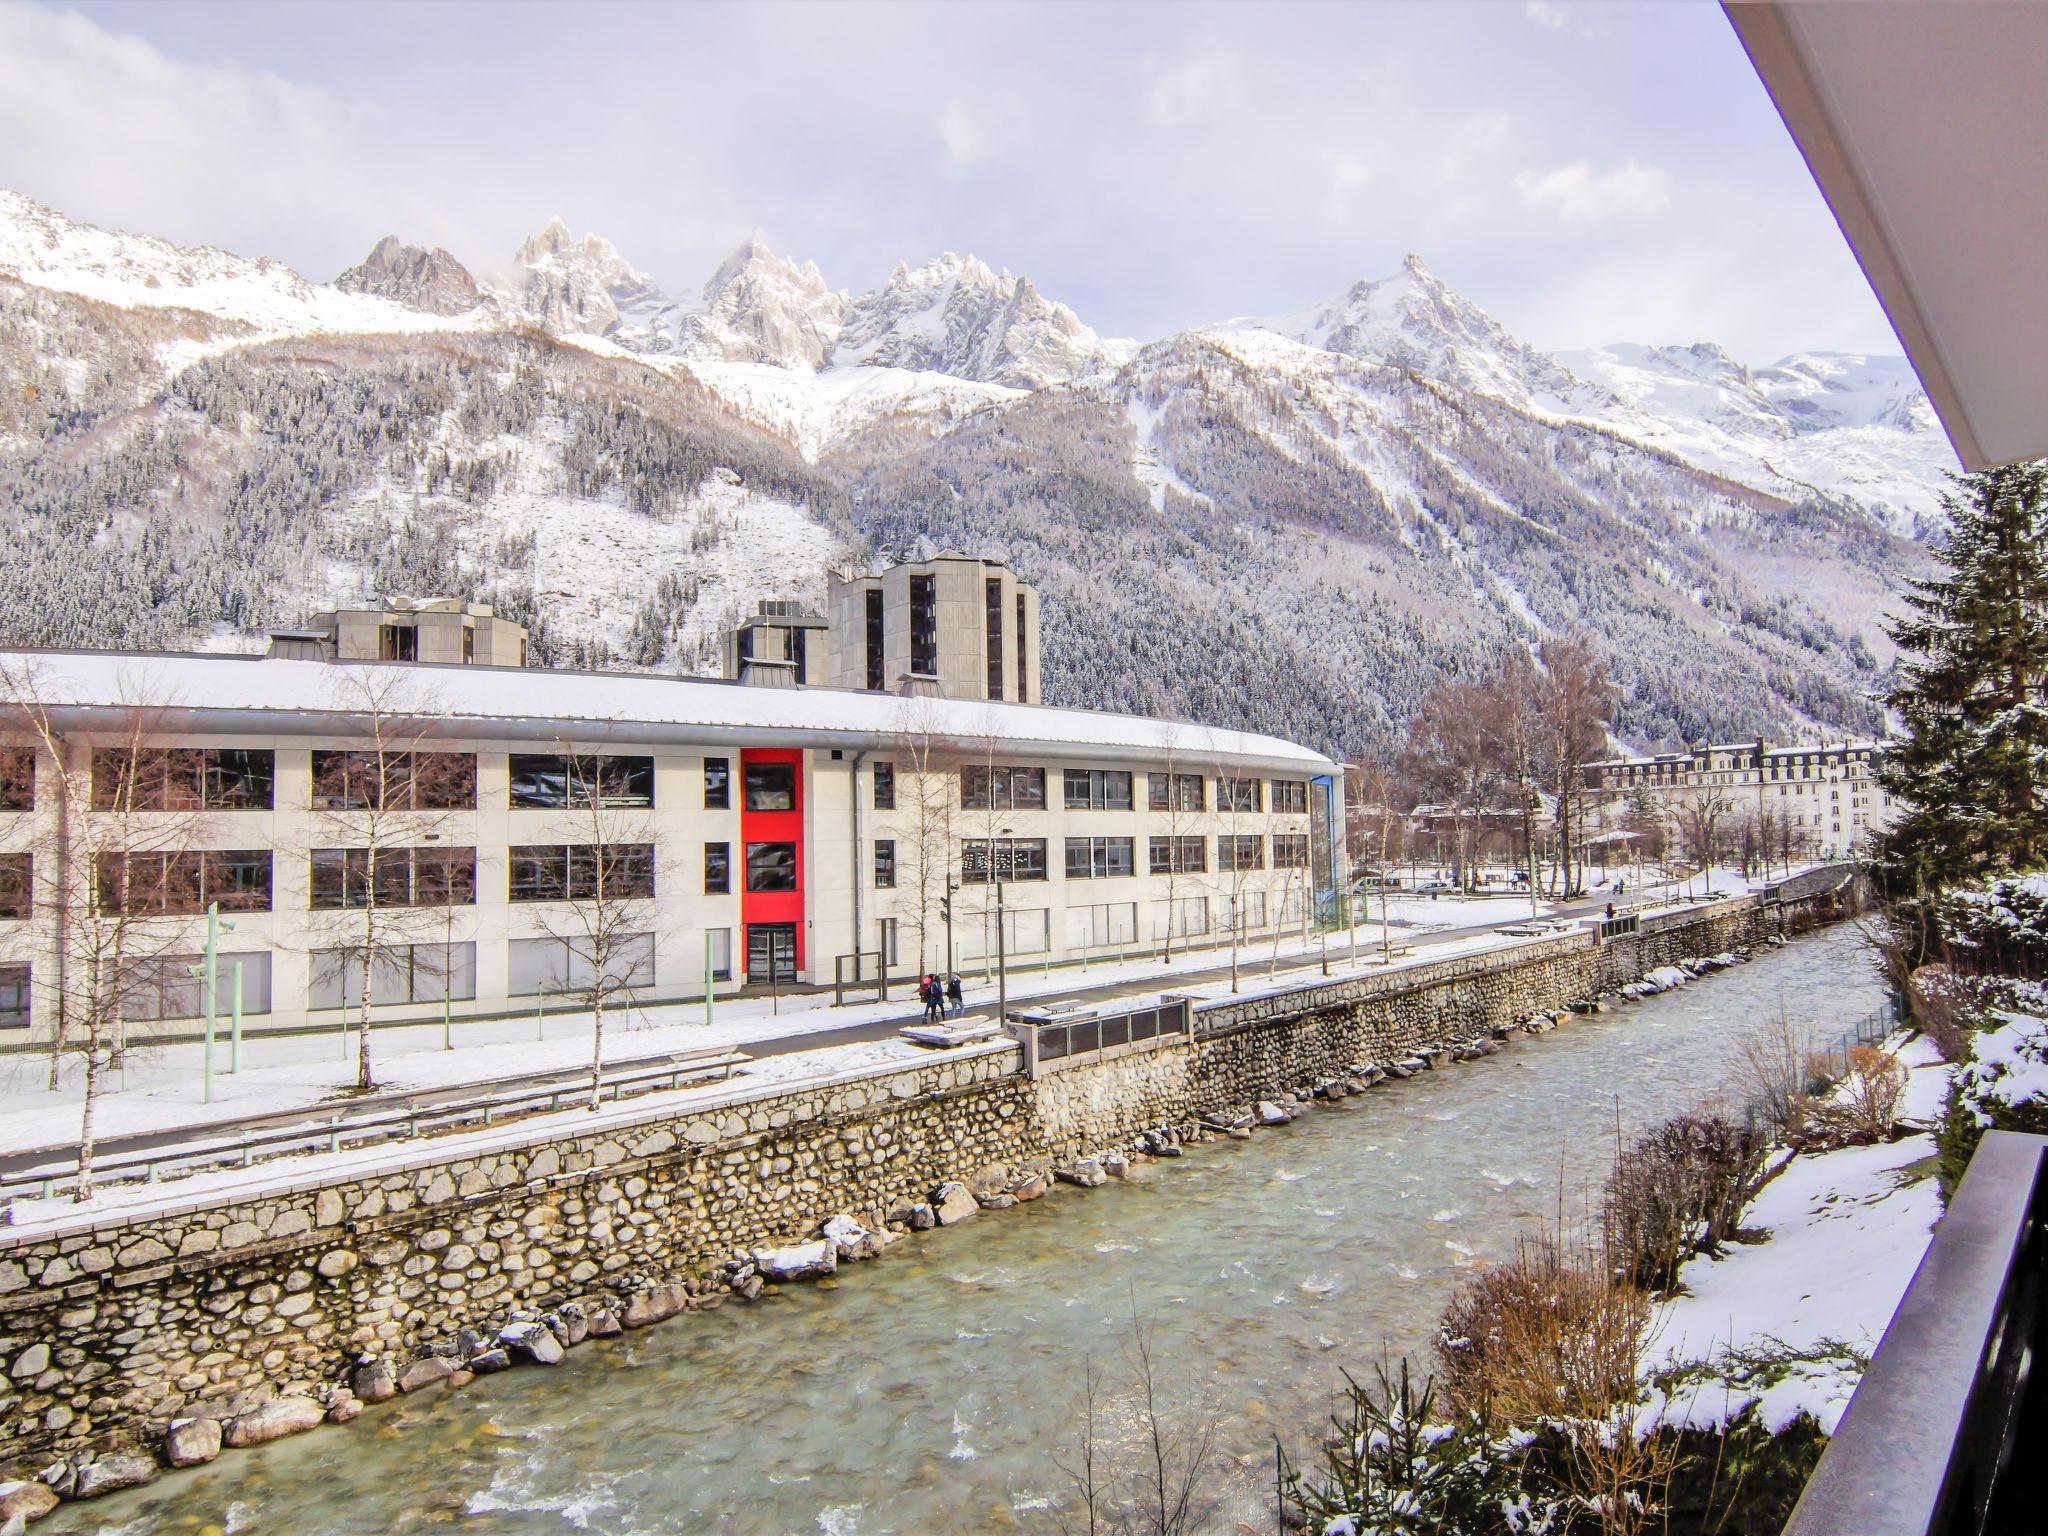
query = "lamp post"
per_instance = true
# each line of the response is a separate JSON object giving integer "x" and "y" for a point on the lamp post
{"x": 946, "y": 906}
{"x": 1002, "y": 935}
{"x": 210, "y": 991}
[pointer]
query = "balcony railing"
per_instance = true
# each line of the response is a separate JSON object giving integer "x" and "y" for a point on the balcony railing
{"x": 1944, "y": 1435}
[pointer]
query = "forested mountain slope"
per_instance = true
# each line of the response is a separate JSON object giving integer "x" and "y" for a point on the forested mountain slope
{"x": 1295, "y": 524}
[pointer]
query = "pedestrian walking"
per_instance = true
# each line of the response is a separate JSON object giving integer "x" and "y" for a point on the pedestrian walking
{"x": 953, "y": 994}
{"x": 934, "y": 1000}
{"x": 1610, "y": 911}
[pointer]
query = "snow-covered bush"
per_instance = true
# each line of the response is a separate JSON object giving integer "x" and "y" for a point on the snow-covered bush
{"x": 2002, "y": 1083}
{"x": 2000, "y": 929}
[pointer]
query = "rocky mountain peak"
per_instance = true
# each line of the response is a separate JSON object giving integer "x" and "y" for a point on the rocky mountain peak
{"x": 761, "y": 307}
{"x": 580, "y": 286}
{"x": 429, "y": 280}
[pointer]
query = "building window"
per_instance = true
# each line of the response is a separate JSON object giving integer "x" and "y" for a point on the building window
{"x": 405, "y": 877}
{"x": 1113, "y": 922}
{"x": 771, "y": 866}
{"x": 552, "y": 781}
{"x": 877, "y": 676}
{"x": 993, "y": 591}
{"x": 399, "y": 973}
{"x": 1175, "y": 792}
{"x": 885, "y": 863}
{"x": 17, "y": 886}
{"x": 924, "y": 626}
{"x": 17, "y": 779}
{"x": 1023, "y": 654}
{"x": 171, "y": 883}
{"x": 1290, "y": 797}
{"x": 1099, "y": 858}
{"x": 771, "y": 786}
{"x": 1096, "y": 789}
{"x": 1177, "y": 855}
{"x": 885, "y": 786}
{"x": 468, "y": 644}
{"x": 1011, "y": 858}
{"x": 173, "y": 986}
{"x": 983, "y": 788}
{"x": 582, "y": 872}
{"x": 717, "y": 869}
{"x": 398, "y": 642}
{"x": 182, "y": 779}
{"x": 394, "y": 781}
{"x": 1236, "y": 853}
{"x": 1238, "y": 794}
{"x": 1187, "y": 916}
{"x": 719, "y": 953}
{"x": 717, "y": 784}
{"x": 14, "y": 995}
{"x": 1290, "y": 850}
{"x": 799, "y": 652}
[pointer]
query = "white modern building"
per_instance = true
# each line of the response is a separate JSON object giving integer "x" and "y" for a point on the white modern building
{"x": 455, "y": 820}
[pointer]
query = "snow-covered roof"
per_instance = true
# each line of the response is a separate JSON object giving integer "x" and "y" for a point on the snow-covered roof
{"x": 1699, "y": 754}
{"x": 271, "y": 695}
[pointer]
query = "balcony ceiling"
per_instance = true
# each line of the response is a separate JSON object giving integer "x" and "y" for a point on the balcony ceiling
{"x": 1926, "y": 124}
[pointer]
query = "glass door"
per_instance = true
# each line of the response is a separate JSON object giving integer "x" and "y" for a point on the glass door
{"x": 771, "y": 952}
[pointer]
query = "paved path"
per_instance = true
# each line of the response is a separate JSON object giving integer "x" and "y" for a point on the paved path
{"x": 1252, "y": 967}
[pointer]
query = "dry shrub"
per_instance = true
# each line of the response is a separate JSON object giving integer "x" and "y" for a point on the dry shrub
{"x": 1554, "y": 1342}
{"x": 1773, "y": 1070}
{"x": 1676, "y": 1191}
{"x": 1945, "y": 1008}
{"x": 1864, "y": 1105}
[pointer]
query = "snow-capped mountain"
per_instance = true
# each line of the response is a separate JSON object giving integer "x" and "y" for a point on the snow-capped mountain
{"x": 1293, "y": 523}
{"x": 957, "y": 316}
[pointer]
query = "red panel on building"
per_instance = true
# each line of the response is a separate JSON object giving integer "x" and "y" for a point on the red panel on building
{"x": 771, "y": 849}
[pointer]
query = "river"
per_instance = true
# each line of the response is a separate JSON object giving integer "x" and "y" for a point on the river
{"x": 929, "y": 1391}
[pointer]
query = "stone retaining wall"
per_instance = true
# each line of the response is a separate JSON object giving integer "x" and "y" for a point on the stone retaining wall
{"x": 208, "y": 1306}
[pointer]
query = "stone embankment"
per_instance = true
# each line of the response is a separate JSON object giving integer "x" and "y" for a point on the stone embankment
{"x": 164, "y": 1336}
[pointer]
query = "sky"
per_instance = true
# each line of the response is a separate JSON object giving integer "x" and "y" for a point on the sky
{"x": 1587, "y": 173}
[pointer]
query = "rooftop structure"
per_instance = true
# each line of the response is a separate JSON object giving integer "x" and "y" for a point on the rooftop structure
{"x": 958, "y": 626}
{"x": 434, "y": 629}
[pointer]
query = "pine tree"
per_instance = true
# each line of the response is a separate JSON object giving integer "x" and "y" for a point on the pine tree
{"x": 1973, "y": 770}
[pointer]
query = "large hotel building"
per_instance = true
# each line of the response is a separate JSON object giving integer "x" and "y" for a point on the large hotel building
{"x": 390, "y": 794}
{"x": 1823, "y": 799}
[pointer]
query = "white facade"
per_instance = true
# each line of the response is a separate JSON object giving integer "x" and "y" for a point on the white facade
{"x": 1824, "y": 799}
{"x": 694, "y": 737}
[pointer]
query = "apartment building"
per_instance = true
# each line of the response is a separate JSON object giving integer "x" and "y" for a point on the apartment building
{"x": 454, "y": 823}
{"x": 1823, "y": 799}
{"x": 960, "y": 626}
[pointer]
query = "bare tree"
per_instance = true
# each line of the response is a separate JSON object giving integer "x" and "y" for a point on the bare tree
{"x": 1450, "y": 760}
{"x": 1702, "y": 814}
{"x": 1240, "y": 858}
{"x": 927, "y": 794}
{"x": 1176, "y": 799}
{"x": 600, "y": 909}
{"x": 1577, "y": 699}
{"x": 1517, "y": 736}
{"x": 1375, "y": 807}
{"x": 377, "y": 807}
{"x": 117, "y": 873}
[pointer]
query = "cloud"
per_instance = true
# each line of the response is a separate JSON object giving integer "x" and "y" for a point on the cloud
{"x": 964, "y": 140}
{"x": 1347, "y": 174}
{"x": 1544, "y": 14}
{"x": 1579, "y": 194}
{"x": 1198, "y": 85}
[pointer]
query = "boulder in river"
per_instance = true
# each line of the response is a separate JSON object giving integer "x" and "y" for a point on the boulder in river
{"x": 654, "y": 1304}
{"x": 532, "y": 1341}
{"x": 373, "y": 1382}
{"x": 849, "y": 1237}
{"x": 122, "y": 1469}
{"x": 191, "y": 1442}
{"x": 1087, "y": 1172}
{"x": 424, "y": 1373}
{"x": 800, "y": 1261}
{"x": 1273, "y": 1114}
{"x": 273, "y": 1421}
{"x": 26, "y": 1501}
{"x": 953, "y": 1203}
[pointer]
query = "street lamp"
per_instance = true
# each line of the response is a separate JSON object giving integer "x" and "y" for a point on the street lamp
{"x": 1002, "y": 935}
{"x": 207, "y": 972}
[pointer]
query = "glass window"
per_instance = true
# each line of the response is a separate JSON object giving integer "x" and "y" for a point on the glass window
{"x": 717, "y": 869}
{"x": 148, "y": 779}
{"x": 993, "y": 592}
{"x": 622, "y": 782}
{"x": 885, "y": 786}
{"x": 239, "y": 879}
{"x": 717, "y": 784}
{"x": 1099, "y": 858}
{"x": 1097, "y": 789}
{"x": 771, "y": 866}
{"x": 171, "y": 986}
{"x": 240, "y": 779}
{"x": 536, "y": 966}
{"x": 17, "y": 779}
{"x": 1175, "y": 792}
{"x": 538, "y": 874}
{"x": 721, "y": 953}
{"x": 1290, "y": 850}
{"x": 876, "y": 671}
{"x": 17, "y": 886}
{"x": 14, "y": 996}
{"x": 885, "y": 862}
{"x": 1290, "y": 797}
{"x": 1177, "y": 855}
{"x": 444, "y": 877}
{"x": 986, "y": 788}
{"x": 924, "y": 626}
{"x": 771, "y": 786}
{"x": 1011, "y": 858}
{"x": 445, "y": 781}
{"x": 1238, "y": 794}
{"x": 1235, "y": 853}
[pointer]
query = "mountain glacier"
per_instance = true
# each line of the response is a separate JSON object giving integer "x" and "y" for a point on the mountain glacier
{"x": 1309, "y": 515}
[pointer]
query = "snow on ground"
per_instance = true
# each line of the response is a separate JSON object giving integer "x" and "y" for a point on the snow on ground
{"x": 1434, "y": 913}
{"x": 1788, "y": 1324}
{"x": 283, "y": 1072}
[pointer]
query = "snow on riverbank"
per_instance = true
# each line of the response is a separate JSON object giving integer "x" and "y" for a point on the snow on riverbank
{"x": 1787, "y": 1325}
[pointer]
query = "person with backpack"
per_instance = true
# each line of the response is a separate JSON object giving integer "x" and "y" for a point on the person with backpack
{"x": 929, "y": 994}
{"x": 953, "y": 994}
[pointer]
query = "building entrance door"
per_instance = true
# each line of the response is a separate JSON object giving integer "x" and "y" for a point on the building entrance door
{"x": 771, "y": 952}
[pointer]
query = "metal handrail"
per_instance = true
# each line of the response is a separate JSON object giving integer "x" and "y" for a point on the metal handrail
{"x": 337, "y": 1130}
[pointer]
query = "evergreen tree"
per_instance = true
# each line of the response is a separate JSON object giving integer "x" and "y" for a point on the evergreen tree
{"x": 1973, "y": 770}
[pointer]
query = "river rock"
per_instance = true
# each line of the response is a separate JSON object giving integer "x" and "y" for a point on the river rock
{"x": 748, "y": 1289}
{"x": 532, "y": 1341}
{"x": 345, "y": 1406}
{"x": 923, "y": 1218}
{"x": 1273, "y": 1114}
{"x": 424, "y": 1373}
{"x": 1116, "y": 1165}
{"x": 991, "y": 1180}
{"x": 273, "y": 1421}
{"x": 373, "y": 1382}
{"x": 26, "y": 1501}
{"x": 849, "y": 1237}
{"x": 123, "y": 1469}
{"x": 800, "y": 1261}
{"x": 575, "y": 1324}
{"x": 190, "y": 1442}
{"x": 603, "y": 1323}
{"x": 1032, "y": 1188}
{"x": 487, "y": 1362}
{"x": 953, "y": 1203}
{"x": 1087, "y": 1172}
{"x": 655, "y": 1304}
